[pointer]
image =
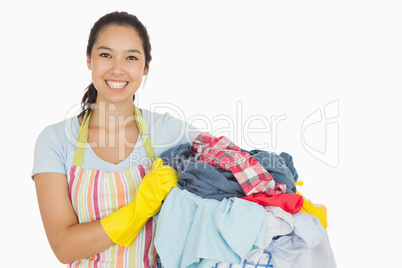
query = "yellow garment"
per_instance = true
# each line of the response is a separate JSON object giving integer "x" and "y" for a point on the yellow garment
{"x": 318, "y": 210}
{"x": 123, "y": 225}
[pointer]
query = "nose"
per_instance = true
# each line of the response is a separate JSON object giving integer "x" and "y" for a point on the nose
{"x": 117, "y": 68}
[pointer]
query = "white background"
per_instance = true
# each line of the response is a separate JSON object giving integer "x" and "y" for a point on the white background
{"x": 268, "y": 59}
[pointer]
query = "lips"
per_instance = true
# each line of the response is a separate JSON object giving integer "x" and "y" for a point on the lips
{"x": 116, "y": 85}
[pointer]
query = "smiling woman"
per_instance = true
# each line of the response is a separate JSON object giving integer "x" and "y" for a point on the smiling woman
{"x": 97, "y": 196}
{"x": 137, "y": 33}
{"x": 118, "y": 64}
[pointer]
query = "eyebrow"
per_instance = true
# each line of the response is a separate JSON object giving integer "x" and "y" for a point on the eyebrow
{"x": 129, "y": 50}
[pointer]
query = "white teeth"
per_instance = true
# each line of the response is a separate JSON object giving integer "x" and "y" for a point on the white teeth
{"x": 116, "y": 84}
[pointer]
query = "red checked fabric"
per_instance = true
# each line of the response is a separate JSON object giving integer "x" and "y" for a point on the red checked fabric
{"x": 221, "y": 152}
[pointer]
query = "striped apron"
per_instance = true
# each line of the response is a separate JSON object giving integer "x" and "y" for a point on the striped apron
{"x": 95, "y": 194}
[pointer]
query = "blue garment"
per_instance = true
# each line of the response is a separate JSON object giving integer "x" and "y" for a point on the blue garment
{"x": 171, "y": 152}
{"x": 199, "y": 177}
{"x": 204, "y": 231}
{"x": 289, "y": 163}
{"x": 56, "y": 144}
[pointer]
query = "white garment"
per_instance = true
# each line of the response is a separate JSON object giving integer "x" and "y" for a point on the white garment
{"x": 308, "y": 246}
{"x": 279, "y": 222}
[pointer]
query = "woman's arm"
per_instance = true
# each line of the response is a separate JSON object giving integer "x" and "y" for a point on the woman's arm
{"x": 68, "y": 239}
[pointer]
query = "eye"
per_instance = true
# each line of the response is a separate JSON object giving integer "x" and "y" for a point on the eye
{"x": 105, "y": 55}
{"x": 131, "y": 58}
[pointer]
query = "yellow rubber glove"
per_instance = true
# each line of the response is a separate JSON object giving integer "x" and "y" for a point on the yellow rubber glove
{"x": 318, "y": 210}
{"x": 124, "y": 225}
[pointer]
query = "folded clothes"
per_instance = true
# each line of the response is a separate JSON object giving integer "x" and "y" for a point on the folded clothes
{"x": 291, "y": 203}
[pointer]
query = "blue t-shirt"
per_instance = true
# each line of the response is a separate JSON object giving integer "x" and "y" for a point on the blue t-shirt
{"x": 56, "y": 144}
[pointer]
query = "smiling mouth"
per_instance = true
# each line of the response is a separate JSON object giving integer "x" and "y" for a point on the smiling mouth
{"x": 116, "y": 85}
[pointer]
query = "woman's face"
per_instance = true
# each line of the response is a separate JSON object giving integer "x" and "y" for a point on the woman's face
{"x": 117, "y": 62}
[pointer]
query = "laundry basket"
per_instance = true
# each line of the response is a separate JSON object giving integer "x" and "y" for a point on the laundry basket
{"x": 264, "y": 262}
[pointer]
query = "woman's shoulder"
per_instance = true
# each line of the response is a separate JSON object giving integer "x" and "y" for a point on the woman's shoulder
{"x": 163, "y": 119}
{"x": 53, "y": 146}
{"x": 60, "y": 132}
{"x": 168, "y": 130}
{"x": 155, "y": 116}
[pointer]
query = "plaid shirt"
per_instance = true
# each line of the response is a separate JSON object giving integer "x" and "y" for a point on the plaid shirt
{"x": 221, "y": 152}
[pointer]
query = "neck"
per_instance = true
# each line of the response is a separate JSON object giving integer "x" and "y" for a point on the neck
{"x": 106, "y": 114}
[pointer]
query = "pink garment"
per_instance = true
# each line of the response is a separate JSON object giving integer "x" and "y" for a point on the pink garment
{"x": 221, "y": 152}
{"x": 291, "y": 203}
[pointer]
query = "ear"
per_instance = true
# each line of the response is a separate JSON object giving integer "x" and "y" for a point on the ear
{"x": 146, "y": 70}
{"x": 89, "y": 65}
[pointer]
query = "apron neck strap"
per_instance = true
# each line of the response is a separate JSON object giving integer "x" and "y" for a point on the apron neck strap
{"x": 82, "y": 137}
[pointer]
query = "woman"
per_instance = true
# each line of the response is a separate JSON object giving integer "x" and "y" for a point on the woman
{"x": 84, "y": 184}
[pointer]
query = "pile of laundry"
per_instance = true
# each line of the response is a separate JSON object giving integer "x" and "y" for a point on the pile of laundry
{"x": 238, "y": 208}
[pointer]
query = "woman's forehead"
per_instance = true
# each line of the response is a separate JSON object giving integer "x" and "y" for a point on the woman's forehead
{"x": 120, "y": 32}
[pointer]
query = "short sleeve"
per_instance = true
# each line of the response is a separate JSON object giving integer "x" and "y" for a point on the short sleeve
{"x": 168, "y": 131}
{"x": 179, "y": 131}
{"x": 49, "y": 153}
